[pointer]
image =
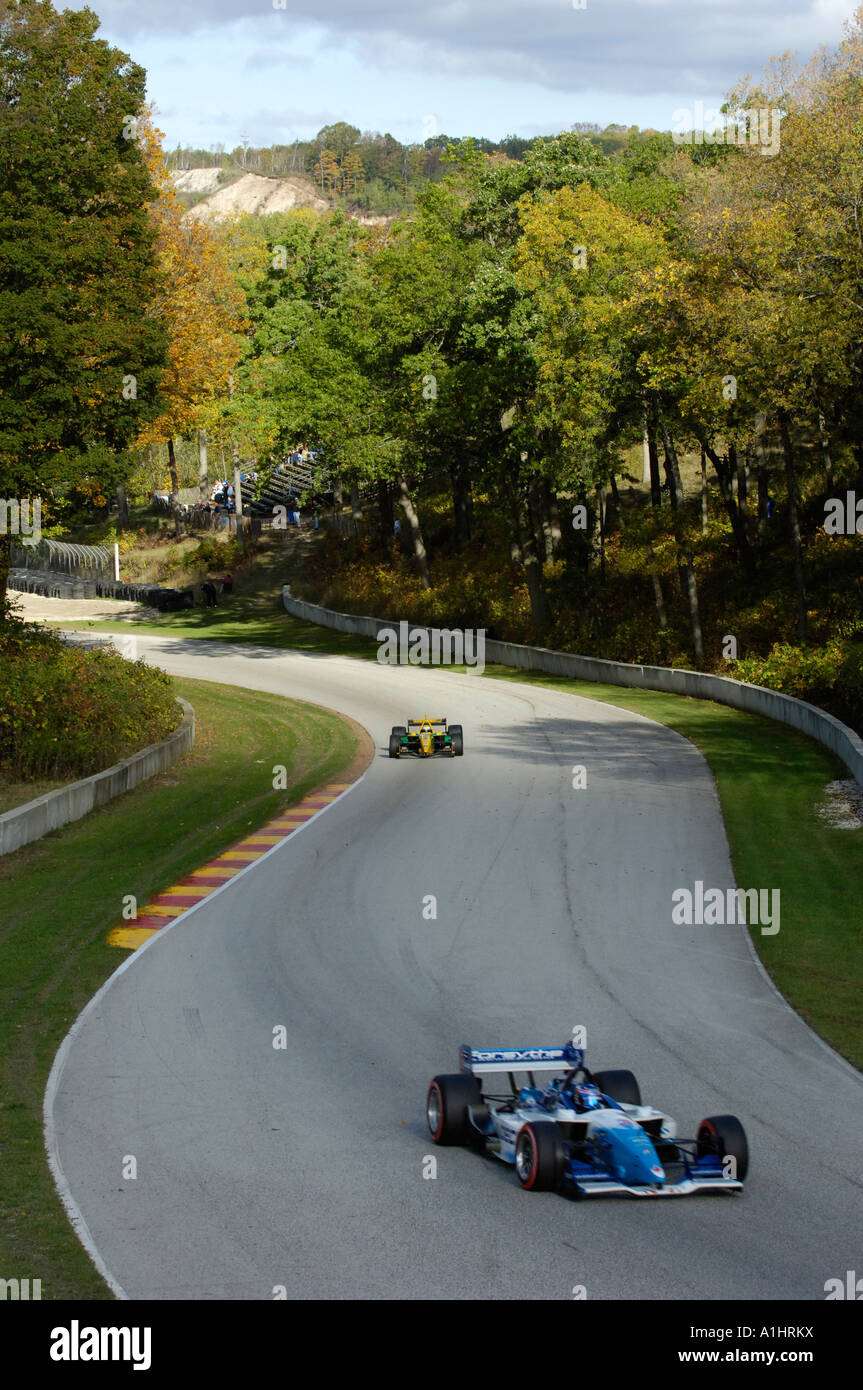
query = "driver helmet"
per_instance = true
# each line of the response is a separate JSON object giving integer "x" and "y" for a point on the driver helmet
{"x": 586, "y": 1096}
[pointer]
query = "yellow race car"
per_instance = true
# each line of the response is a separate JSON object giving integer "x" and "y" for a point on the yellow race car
{"x": 425, "y": 737}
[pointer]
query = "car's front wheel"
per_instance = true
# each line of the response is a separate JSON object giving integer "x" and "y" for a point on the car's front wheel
{"x": 539, "y": 1156}
{"x": 395, "y": 745}
{"x": 446, "y": 1107}
{"x": 619, "y": 1085}
{"x": 456, "y": 740}
{"x": 724, "y": 1136}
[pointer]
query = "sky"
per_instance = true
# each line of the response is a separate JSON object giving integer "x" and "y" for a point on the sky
{"x": 272, "y": 71}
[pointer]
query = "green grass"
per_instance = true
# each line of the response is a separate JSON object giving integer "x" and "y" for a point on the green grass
{"x": 242, "y": 619}
{"x": 14, "y": 794}
{"x": 63, "y": 894}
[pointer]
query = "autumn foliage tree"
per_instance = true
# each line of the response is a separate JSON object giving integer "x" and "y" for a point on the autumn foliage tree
{"x": 200, "y": 305}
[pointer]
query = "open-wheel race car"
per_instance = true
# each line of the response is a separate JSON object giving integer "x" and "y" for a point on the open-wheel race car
{"x": 425, "y": 737}
{"x": 583, "y": 1132}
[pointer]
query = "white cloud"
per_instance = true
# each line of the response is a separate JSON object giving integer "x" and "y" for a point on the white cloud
{"x": 486, "y": 67}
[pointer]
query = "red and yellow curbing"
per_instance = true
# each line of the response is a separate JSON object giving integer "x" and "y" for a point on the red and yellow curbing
{"x": 173, "y": 902}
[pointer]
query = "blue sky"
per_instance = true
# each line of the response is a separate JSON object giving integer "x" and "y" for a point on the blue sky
{"x": 223, "y": 70}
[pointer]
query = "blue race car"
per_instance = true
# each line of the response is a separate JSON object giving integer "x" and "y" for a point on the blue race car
{"x": 583, "y": 1132}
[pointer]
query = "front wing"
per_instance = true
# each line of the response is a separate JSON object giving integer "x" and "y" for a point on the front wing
{"x": 699, "y": 1176}
{"x": 594, "y": 1186}
{"x": 413, "y": 746}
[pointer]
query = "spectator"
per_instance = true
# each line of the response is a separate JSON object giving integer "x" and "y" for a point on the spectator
{"x": 227, "y": 583}
{"x": 208, "y": 589}
{"x": 397, "y": 528}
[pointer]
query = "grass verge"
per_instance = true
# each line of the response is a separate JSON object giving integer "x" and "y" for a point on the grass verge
{"x": 62, "y": 894}
{"x": 242, "y": 620}
{"x": 13, "y": 794}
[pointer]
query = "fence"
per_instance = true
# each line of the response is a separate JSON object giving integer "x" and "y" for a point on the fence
{"x": 64, "y": 557}
{"x": 202, "y": 517}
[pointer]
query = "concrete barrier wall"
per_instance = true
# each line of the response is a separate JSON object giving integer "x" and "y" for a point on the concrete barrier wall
{"x": 29, "y": 822}
{"x": 753, "y": 699}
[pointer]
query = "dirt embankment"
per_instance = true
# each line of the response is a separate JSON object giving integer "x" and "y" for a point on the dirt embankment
{"x": 256, "y": 194}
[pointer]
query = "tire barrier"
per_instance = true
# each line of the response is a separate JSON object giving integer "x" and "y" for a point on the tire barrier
{"x": 51, "y": 585}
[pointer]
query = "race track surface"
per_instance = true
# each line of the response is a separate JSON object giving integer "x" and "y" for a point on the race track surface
{"x": 303, "y": 1167}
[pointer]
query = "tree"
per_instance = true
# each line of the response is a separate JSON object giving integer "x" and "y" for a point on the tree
{"x": 201, "y": 307}
{"x": 327, "y": 172}
{"x": 353, "y": 172}
{"x": 80, "y": 358}
{"x": 338, "y": 138}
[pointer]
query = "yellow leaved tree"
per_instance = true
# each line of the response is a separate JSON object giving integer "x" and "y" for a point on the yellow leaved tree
{"x": 202, "y": 307}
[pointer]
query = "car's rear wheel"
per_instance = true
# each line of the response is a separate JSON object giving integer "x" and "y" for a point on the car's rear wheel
{"x": 446, "y": 1107}
{"x": 539, "y": 1156}
{"x": 400, "y": 730}
{"x": 395, "y": 745}
{"x": 724, "y": 1136}
{"x": 456, "y": 740}
{"x": 619, "y": 1085}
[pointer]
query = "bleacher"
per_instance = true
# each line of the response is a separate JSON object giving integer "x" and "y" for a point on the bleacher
{"x": 276, "y": 491}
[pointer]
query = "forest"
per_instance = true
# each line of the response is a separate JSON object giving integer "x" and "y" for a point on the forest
{"x": 492, "y": 366}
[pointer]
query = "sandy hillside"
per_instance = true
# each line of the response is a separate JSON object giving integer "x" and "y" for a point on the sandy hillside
{"x": 197, "y": 180}
{"x": 253, "y": 193}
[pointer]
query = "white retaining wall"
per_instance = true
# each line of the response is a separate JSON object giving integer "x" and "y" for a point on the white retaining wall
{"x": 29, "y": 822}
{"x": 754, "y": 699}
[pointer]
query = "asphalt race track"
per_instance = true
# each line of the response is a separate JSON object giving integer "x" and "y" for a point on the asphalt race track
{"x": 303, "y": 1167}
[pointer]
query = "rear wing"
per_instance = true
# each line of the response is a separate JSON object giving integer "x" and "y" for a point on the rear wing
{"x": 418, "y": 723}
{"x": 516, "y": 1059}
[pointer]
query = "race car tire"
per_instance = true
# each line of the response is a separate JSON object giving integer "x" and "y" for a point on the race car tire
{"x": 724, "y": 1135}
{"x": 400, "y": 730}
{"x": 446, "y": 1107}
{"x": 395, "y": 745}
{"x": 456, "y": 740}
{"x": 619, "y": 1085}
{"x": 539, "y": 1156}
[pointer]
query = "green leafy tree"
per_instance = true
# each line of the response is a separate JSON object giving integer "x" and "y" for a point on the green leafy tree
{"x": 80, "y": 359}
